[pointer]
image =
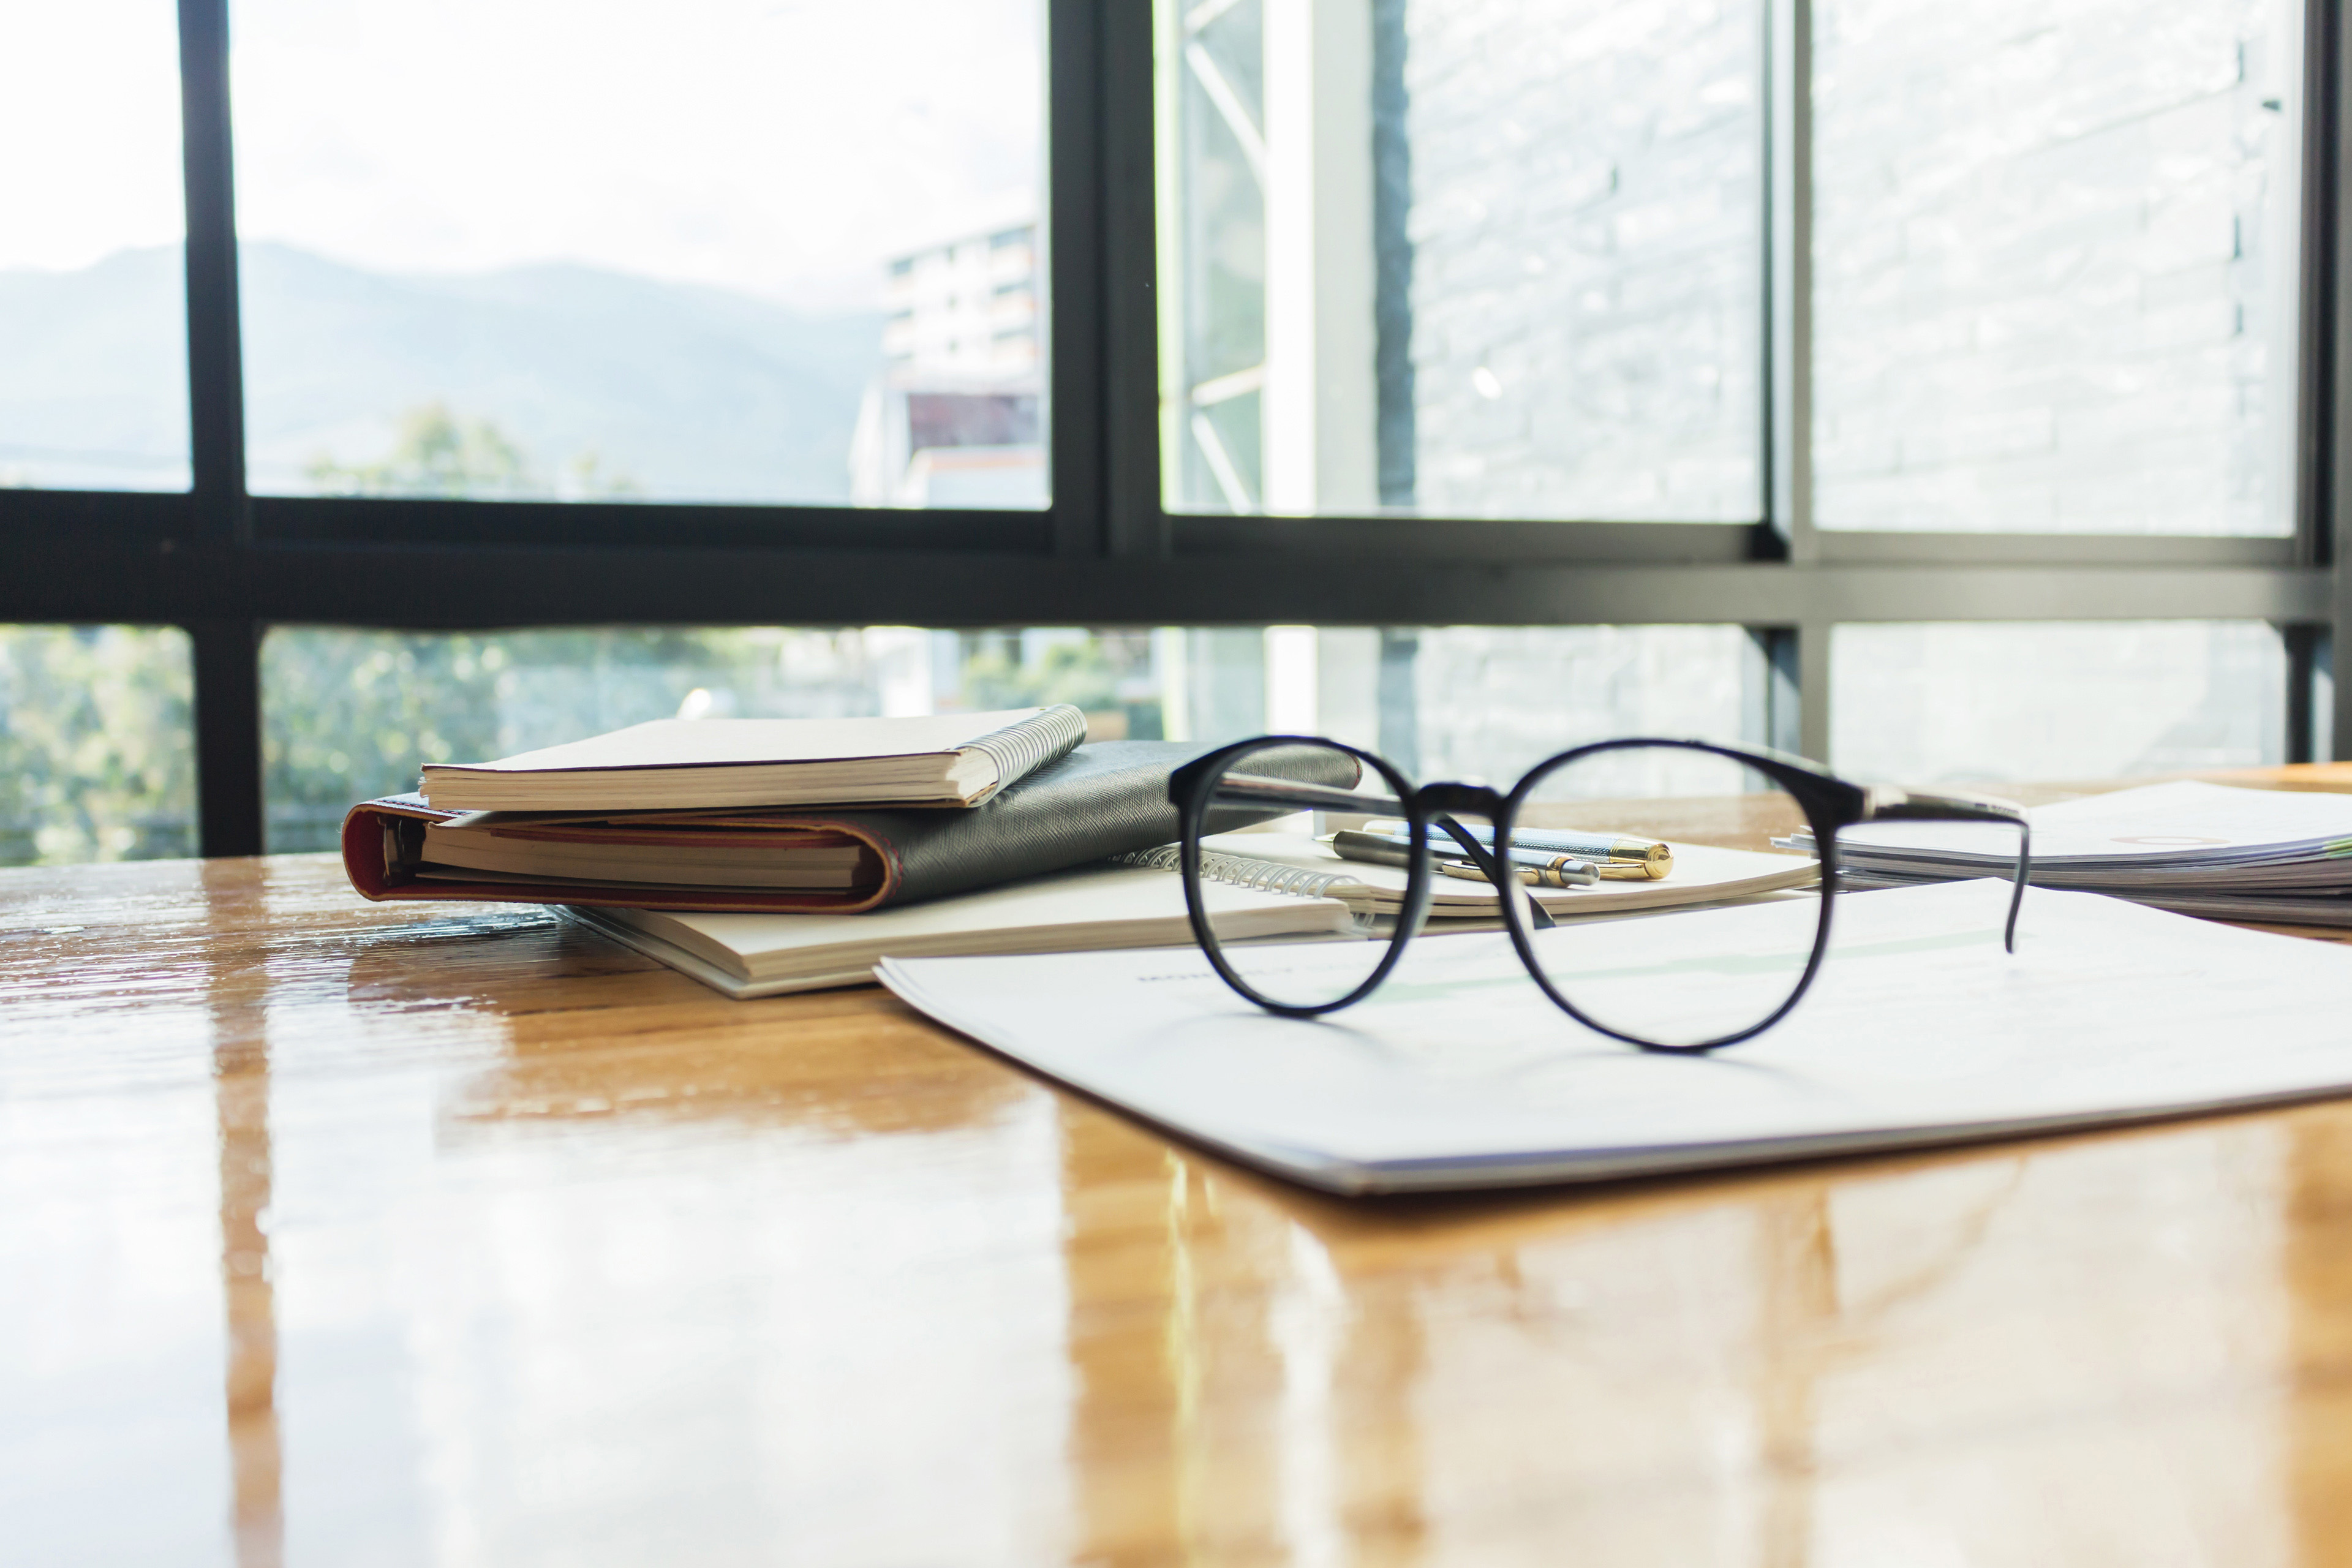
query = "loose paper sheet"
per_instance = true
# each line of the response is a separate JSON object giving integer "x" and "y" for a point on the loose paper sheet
{"x": 1460, "y": 1073}
{"x": 2183, "y": 823}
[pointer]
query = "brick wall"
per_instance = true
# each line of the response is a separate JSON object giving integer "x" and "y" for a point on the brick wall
{"x": 2048, "y": 293}
{"x": 2044, "y": 246}
{"x": 1586, "y": 179}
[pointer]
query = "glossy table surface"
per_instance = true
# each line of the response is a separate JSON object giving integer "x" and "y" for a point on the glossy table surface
{"x": 340, "y": 1233}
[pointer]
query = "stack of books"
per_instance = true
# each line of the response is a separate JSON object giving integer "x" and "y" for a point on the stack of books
{"x": 763, "y": 856}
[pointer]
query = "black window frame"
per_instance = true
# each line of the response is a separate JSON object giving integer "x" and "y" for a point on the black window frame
{"x": 225, "y": 564}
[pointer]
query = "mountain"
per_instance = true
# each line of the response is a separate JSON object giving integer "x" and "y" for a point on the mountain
{"x": 695, "y": 393}
{"x": 94, "y": 374}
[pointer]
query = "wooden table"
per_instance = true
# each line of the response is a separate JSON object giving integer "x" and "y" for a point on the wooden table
{"x": 337, "y": 1233}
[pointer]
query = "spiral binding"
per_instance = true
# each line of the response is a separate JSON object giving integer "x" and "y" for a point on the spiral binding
{"x": 1020, "y": 750}
{"x": 1239, "y": 870}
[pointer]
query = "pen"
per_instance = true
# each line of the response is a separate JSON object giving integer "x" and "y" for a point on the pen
{"x": 1533, "y": 865}
{"x": 1620, "y": 858}
{"x": 1562, "y": 873}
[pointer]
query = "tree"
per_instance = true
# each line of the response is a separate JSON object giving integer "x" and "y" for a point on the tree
{"x": 437, "y": 453}
{"x": 97, "y": 757}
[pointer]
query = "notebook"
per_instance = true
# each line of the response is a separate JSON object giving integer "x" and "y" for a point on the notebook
{"x": 952, "y": 759}
{"x": 1261, "y": 886}
{"x": 1087, "y": 909}
{"x": 1098, "y": 801}
{"x": 1702, "y": 874}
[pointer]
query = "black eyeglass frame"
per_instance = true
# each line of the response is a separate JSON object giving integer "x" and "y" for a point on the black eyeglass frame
{"x": 1830, "y": 803}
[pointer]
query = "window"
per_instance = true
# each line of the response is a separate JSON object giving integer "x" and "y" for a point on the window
{"x": 97, "y": 760}
{"x": 93, "y": 361}
{"x": 731, "y": 254}
{"x": 1938, "y": 392}
{"x": 1473, "y": 259}
{"x": 2054, "y": 265}
{"x": 1974, "y": 704}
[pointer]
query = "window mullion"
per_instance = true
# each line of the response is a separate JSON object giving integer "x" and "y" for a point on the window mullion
{"x": 1124, "y": 104}
{"x": 215, "y": 379}
{"x": 1075, "y": 253}
{"x": 1789, "y": 270}
{"x": 2325, "y": 511}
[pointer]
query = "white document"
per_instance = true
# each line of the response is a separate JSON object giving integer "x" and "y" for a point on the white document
{"x": 2162, "y": 831}
{"x": 2198, "y": 848}
{"x": 1459, "y": 1073}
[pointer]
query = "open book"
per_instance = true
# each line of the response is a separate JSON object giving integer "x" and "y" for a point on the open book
{"x": 1263, "y": 886}
{"x": 675, "y": 764}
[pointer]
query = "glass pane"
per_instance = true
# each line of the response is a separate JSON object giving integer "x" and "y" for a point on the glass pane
{"x": 1944, "y": 703}
{"x": 1464, "y": 258}
{"x": 353, "y": 714}
{"x": 2054, "y": 280}
{"x": 93, "y": 287}
{"x": 1493, "y": 701}
{"x": 756, "y": 252}
{"x": 98, "y": 759}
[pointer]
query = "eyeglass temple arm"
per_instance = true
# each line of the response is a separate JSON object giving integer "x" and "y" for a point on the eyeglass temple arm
{"x": 1506, "y": 879}
{"x": 1884, "y": 803}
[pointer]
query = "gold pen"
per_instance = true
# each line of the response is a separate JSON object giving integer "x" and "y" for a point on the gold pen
{"x": 1617, "y": 856}
{"x": 1563, "y": 872}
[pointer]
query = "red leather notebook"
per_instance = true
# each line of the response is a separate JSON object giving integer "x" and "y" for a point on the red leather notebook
{"x": 384, "y": 846}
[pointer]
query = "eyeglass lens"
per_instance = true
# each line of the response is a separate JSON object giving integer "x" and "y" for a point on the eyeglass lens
{"x": 1264, "y": 809}
{"x": 1664, "y": 816}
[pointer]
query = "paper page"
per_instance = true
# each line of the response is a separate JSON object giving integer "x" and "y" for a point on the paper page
{"x": 2187, "y": 819}
{"x": 1459, "y": 1071}
{"x": 697, "y": 742}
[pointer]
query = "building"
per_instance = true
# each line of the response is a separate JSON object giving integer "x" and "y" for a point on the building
{"x": 956, "y": 416}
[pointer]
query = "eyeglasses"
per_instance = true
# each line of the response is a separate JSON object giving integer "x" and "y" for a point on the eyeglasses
{"x": 1635, "y": 810}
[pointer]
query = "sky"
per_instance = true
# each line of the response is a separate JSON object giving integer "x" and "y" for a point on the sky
{"x": 781, "y": 148}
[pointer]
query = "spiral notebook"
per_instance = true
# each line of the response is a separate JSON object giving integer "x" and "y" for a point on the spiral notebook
{"x": 1291, "y": 862}
{"x": 1263, "y": 886}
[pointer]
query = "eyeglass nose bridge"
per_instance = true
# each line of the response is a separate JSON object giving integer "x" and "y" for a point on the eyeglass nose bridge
{"x": 1478, "y": 799}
